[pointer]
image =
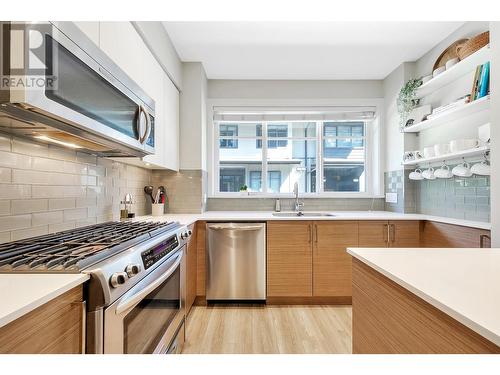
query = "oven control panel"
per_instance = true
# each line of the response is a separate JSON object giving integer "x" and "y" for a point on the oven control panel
{"x": 153, "y": 255}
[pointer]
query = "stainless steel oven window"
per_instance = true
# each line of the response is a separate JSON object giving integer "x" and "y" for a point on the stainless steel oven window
{"x": 146, "y": 323}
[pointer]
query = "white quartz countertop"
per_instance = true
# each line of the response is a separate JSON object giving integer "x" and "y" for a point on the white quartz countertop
{"x": 187, "y": 219}
{"x": 21, "y": 293}
{"x": 463, "y": 283}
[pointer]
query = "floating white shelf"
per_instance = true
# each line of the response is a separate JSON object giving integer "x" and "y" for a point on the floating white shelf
{"x": 447, "y": 157}
{"x": 477, "y": 105}
{"x": 456, "y": 71}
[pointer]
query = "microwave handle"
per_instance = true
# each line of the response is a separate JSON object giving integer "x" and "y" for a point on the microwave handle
{"x": 147, "y": 131}
{"x": 136, "y": 298}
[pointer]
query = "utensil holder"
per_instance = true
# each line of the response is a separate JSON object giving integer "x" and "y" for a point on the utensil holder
{"x": 157, "y": 209}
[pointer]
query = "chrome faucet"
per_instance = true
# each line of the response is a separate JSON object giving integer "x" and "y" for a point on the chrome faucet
{"x": 298, "y": 205}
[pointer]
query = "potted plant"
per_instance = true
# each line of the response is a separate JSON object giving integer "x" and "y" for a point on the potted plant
{"x": 244, "y": 189}
{"x": 407, "y": 99}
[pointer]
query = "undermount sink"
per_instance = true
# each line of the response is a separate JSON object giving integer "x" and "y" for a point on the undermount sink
{"x": 302, "y": 214}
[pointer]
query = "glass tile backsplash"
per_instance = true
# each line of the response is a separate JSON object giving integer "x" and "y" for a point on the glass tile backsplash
{"x": 457, "y": 197}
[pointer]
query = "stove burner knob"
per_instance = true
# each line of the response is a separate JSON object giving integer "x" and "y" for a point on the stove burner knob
{"x": 189, "y": 233}
{"x": 133, "y": 269}
{"x": 117, "y": 279}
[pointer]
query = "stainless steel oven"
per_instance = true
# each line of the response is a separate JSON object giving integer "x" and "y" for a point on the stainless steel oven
{"x": 78, "y": 97}
{"x": 149, "y": 318}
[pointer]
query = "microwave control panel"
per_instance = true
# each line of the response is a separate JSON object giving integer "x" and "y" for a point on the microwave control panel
{"x": 155, "y": 254}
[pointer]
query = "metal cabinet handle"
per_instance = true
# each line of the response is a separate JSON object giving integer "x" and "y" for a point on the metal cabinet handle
{"x": 309, "y": 232}
{"x": 392, "y": 232}
{"x": 386, "y": 226}
{"x": 482, "y": 237}
{"x": 316, "y": 232}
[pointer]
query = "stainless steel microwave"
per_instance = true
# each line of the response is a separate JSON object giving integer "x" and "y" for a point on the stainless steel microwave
{"x": 58, "y": 87}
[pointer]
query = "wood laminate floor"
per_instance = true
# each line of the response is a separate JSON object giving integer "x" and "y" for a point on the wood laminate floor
{"x": 250, "y": 329}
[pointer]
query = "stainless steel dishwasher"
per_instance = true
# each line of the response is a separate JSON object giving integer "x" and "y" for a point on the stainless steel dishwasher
{"x": 236, "y": 261}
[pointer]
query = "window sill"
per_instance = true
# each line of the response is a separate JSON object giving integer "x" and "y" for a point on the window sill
{"x": 301, "y": 196}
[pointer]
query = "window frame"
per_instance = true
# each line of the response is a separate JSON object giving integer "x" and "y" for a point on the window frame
{"x": 369, "y": 140}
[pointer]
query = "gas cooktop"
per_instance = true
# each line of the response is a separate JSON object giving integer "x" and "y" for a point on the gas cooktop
{"x": 73, "y": 250}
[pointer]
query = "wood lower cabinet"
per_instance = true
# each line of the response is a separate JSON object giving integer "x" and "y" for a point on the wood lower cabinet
{"x": 289, "y": 259}
{"x": 53, "y": 328}
{"x": 447, "y": 235}
{"x": 404, "y": 233}
{"x": 331, "y": 262}
{"x": 191, "y": 268}
{"x": 373, "y": 233}
{"x": 394, "y": 233}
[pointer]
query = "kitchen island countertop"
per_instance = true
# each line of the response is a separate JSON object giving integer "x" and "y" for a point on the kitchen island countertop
{"x": 463, "y": 283}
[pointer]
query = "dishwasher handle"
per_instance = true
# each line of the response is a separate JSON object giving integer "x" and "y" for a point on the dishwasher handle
{"x": 233, "y": 227}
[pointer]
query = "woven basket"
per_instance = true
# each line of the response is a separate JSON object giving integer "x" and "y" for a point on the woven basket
{"x": 449, "y": 53}
{"x": 473, "y": 45}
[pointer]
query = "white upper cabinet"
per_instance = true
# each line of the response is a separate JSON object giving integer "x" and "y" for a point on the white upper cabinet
{"x": 171, "y": 126}
{"x": 121, "y": 42}
{"x": 90, "y": 28}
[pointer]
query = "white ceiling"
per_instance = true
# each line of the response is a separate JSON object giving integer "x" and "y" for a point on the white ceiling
{"x": 304, "y": 50}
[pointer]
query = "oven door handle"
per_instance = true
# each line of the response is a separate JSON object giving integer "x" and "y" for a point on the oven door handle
{"x": 136, "y": 298}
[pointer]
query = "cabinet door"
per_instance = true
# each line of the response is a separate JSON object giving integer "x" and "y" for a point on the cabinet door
{"x": 90, "y": 28}
{"x": 158, "y": 95}
{"x": 373, "y": 233}
{"x": 331, "y": 262}
{"x": 121, "y": 42}
{"x": 191, "y": 269}
{"x": 289, "y": 258}
{"x": 404, "y": 233}
{"x": 171, "y": 125}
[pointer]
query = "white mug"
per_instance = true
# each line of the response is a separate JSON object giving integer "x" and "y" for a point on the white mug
{"x": 428, "y": 174}
{"x": 429, "y": 152}
{"x": 443, "y": 172}
{"x": 441, "y": 149}
{"x": 416, "y": 175}
{"x": 462, "y": 170}
{"x": 482, "y": 169}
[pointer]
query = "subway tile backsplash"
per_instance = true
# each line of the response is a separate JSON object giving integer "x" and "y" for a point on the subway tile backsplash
{"x": 184, "y": 189}
{"x": 45, "y": 188}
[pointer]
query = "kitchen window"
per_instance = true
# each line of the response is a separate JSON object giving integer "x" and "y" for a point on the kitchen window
{"x": 324, "y": 157}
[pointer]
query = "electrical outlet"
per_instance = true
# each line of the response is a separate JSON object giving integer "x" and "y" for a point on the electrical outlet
{"x": 391, "y": 197}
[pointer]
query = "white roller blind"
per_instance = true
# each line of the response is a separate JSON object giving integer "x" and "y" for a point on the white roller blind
{"x": 293, "y": 113}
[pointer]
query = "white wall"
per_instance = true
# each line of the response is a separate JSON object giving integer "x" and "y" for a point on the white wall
{"x": 283, "y": 89}
{"x": 495, "y": 131}
{"x": 193, "y": 117}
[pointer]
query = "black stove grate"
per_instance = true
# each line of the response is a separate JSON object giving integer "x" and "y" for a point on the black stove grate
{"x": 76, "y": 249}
